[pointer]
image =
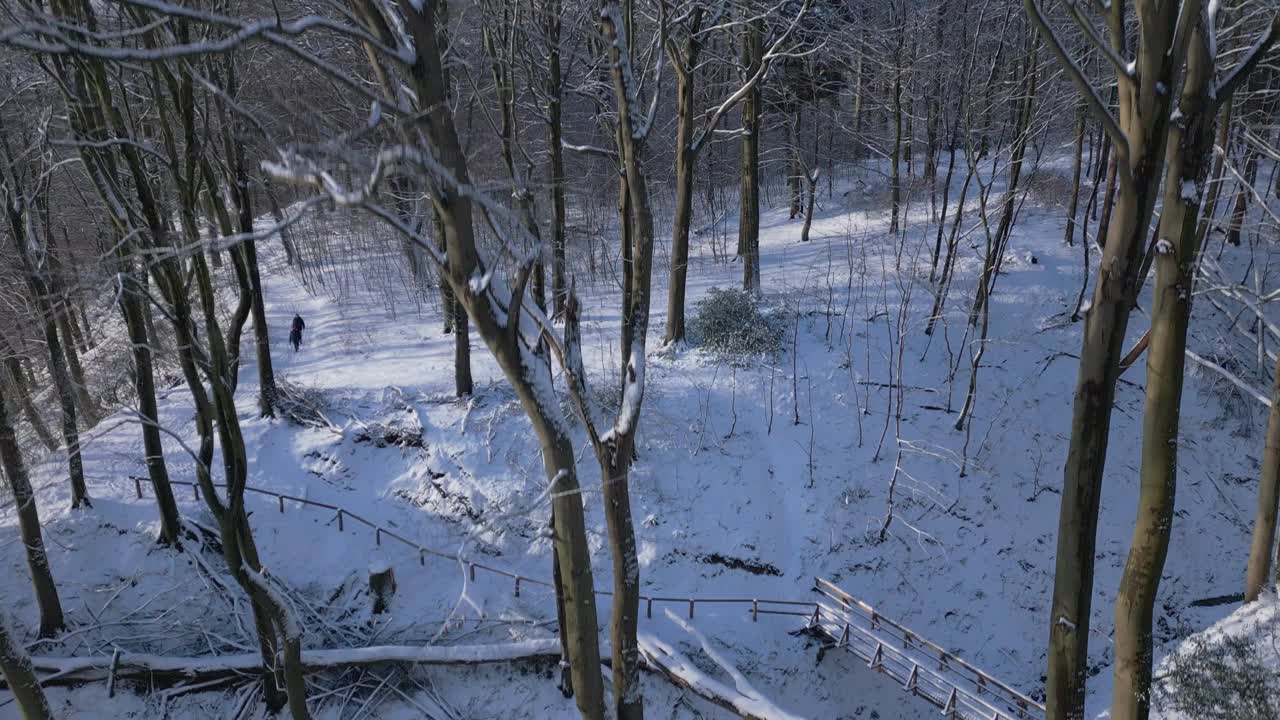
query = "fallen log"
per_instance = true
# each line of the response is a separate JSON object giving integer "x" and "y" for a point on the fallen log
{"x": 744, "y": 702}
{"x": 70, "y": 670}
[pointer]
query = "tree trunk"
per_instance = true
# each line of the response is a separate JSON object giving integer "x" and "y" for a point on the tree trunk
{"x": 24, "y": 502}
{"x": 86, "y": 409}
{"x": 627, "y": 249}
{"x": 615, "y": 452}
{"x": 811, "y": 184}
{"x": 686, "y": 164}
{"x": 286, "y": 235}
{"x": 1262, "y": 549}
{"x": 1241, "y": 203}
{"x": 462, "y": 383}
{"x": 1075, "y": 176}
{"x": 793, "y": 163}
{"x": 239, "y": 188}
{"x": 1190, "y": 141}
{"x": 66, "y": 398}
{"x": 749, "y": 218}
{"x": 1143, "y": 120}
{"x": 1108, "y": 201}
{"x": 16, "y": 376}
{"x": 20, "y": 676}
{"x": 895, "y": 180}
{"x": 59, "y": 303}
{"x": 555, "y": 89}
{"x": 261, "y": 333}
{"x": 426, "y": 27}
{"x": 132, "y": 298}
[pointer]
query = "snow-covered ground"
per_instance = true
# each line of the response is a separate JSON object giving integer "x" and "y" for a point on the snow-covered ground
{"x": 752, "y": 480}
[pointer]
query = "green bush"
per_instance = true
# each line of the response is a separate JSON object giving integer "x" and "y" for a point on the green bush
{"x": 1227, "y": 679}
{"x": 730, "y": 323}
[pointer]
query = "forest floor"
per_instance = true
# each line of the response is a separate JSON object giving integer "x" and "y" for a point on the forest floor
{"x": 752, "y": 479}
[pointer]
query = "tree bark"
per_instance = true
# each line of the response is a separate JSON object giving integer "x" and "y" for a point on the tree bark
{"x": 895, "y": 180}
{"x": 1187, "y": 162}
{"x": 427, "y": 28}
{"x": 132, "y": 299}
{"x": 793, "y": 162}
{"x": 238, "y": 178}
{"x": 18, "y": 379}
{"x": 20, "y": 676}
{"x": 749, "y": 218}
{"x": 1075, "y": 175}
{"x": 686, "y": 163}
{"x": 1142, "y": 121}
{"x": 1262, "y": 548}
{"x": 614, "y": 452}
{"x": 1241, "y": 203}
{"x": 555, "y": 90}
{"x": 24, "y": 502}
{"x": 59, "y": 303}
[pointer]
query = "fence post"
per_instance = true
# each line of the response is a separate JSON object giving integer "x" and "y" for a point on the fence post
{"x": 690, "y": 608}
{"x": 877, "y": 659}
{"x": 137, "y": 485}
{"x": 949, "y": 709}
{"x": 471, "y": 571}
{"x": 755, "y": 610}
{"x": 339, "y": 519}
{"x": 422, "y": 557}
{"x": 196, "y": 490}
{"x": 648, "y": 611}
{"x": 377, "y": 536}
{"x": 517, "y": 586}
{"x": 281, "y": 499}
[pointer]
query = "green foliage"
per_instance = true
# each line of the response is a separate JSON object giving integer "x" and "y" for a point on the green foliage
{"x": 730, "y": 323}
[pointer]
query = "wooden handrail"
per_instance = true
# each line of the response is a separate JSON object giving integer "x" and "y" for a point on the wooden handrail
{"x": 947, "y": 659}
{"x": 888, "y": 653}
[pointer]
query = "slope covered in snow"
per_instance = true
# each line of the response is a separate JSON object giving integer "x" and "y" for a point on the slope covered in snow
{"x": 753, "y": 478}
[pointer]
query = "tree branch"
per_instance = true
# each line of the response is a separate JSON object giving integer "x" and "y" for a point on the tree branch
{"x": 1094, "y": 103}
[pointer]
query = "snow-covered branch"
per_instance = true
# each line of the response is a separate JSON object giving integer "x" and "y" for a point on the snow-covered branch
{"x": 88, "y": 669}
{"x": 773, "y": 53}
{"x": 1223, "y": 91}
{"x": 741, "y": 699}
{"x": 1094, "y": 103}
{"x": 1230, "y": 377}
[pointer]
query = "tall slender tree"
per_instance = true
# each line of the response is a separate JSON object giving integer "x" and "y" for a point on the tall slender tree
{"x": 15, "y": 470}
{"x": 1138, "y": 133}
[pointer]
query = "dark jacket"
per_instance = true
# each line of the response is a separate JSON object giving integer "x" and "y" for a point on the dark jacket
{"x": 298, "y": 325}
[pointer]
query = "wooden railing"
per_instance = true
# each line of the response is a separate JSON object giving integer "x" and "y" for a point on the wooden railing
{"x": 926, "y": 670}
{"x": 755, "y": 606}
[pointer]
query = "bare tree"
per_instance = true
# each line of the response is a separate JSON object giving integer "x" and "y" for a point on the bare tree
{"x": 21, "y": 227}
{"x": 749, "y": 198}
{"x": 1190, "y": 140}
{"x": 15, "y": 470}
{"x": 1138, "y": 133}
{"x": 684, "y": 48}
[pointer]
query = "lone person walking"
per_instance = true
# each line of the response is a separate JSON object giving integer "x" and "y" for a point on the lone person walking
{"x": 295, "y": 334}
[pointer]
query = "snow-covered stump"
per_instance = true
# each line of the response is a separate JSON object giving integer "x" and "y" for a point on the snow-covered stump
{"x": 382, "y": 584}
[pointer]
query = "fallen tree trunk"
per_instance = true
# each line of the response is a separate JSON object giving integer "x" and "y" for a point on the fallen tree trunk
{"x": 69, "y": 670}
{"x": 743, "y": 701}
